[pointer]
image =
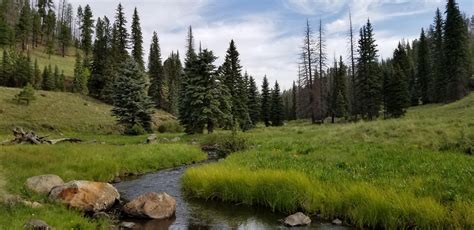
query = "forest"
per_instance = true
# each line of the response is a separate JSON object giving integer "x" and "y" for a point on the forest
{"x": 357, "y": 140}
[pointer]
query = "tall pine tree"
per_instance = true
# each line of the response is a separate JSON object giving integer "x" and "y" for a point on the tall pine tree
{"x": 155, "y": 72}
{"x": 137, "y": 40}
{"x": 253, "y": 102}
{"x": 424, "y": 75}
{"x": 266, "y": 102}
{"x": 276, "y": 107}
{"x": 87, "y": 31}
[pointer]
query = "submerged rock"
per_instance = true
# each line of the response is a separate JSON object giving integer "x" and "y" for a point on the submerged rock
{"x": 337, "y": 222}
{"x": 297, "y": 219}
{"x": 35, "y": 224}
{"x": 86, "y": 195}
{"x": 127, "y": 225}
{"x": 151, "y": 205}
{"x": 43, "y": 183}
{"x": 151, "y": 139}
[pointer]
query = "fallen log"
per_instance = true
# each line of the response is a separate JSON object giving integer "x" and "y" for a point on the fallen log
{"x": 30, "y": 137}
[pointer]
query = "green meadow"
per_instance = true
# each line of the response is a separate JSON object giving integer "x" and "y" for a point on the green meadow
{"x": 416, "y": 171}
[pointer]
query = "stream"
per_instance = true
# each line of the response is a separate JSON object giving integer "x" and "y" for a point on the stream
{"x": 198, "y": 214}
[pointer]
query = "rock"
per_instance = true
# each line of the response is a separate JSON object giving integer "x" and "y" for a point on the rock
{"x": 297, "y": 219}
{"x": 126, "y": 225}
{"x": 151, "y": 205}
{"x": 44, "y": 183}
{"x": 337, "y": 222}
{"x": 151, "y": 139}
{"x": 35, "y": 224}
{"x": 86, "y": 195}
{"x": 176, "y": 139}
{"x": 116, "y": 180}
{"x": 101, "y": 215}
{"x": 33, "y": 204}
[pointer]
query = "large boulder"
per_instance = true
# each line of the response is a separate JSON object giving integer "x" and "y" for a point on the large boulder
{"x": 297, "y": 219}
{"x": 43, "y": 183}
{"x": 87, "y": 196}
{"x": 151, "y": 205}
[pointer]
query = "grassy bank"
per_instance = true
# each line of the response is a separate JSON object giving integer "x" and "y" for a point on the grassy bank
{"x": 98, "y": 162}
{"x": 400, "y": 173}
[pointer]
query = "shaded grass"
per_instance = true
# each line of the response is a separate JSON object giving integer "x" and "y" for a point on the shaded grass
{"x": 382, "y": 174}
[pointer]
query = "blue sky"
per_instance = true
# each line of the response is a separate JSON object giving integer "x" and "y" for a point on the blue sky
{"x": 268, "y": 33}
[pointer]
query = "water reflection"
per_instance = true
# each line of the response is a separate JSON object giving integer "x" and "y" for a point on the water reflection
{"x": 197, "y": 214}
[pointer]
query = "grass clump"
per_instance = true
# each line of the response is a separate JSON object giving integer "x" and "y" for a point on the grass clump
{"x": 384, "y": 174}
{"x": 225, "y": 143}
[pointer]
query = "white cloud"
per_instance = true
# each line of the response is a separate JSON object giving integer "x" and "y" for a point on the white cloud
{"x": 315, "y": 7}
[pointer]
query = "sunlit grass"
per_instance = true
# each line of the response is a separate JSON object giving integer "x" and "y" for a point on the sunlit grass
{"x": 410, "y": 172}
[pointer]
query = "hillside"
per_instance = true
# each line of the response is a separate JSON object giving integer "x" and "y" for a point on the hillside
{"x": 61, "y": 112}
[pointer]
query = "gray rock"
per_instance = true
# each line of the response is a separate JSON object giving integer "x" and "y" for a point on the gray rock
{"x": 297, "y": 219}
{"x": 33, "y": 204}
{"x": 35, "y": 224}
{"x": 151, "y": 205}
{"x": 44, "y": 183}
{"x": 337, "y": 222}
{"x": 151, "y": 139}
{"x": 176, "y": 139}
{"x": 127, "y": 225}
{"x": 101, "y": 215}
{"x": 86, "y": 195}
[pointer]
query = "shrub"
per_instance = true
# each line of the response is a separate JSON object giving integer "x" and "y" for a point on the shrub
{"x": 136, "y": 129}
{"x": 224, "y": 144}
{"x": 170, "y": 127}
{"x": 26, "y": 95}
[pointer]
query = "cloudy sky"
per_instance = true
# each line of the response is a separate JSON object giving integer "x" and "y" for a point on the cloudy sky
{"x": 268, "y": 33}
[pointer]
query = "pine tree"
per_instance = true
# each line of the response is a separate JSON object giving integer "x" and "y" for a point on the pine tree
{"x": 38, "y": 78}
{"x": 132, "y": 106}
{"x": 424, "y": 70}
{"x": 233, "y": 80}
{"x": 23, "y": 72}
{"x": 369, "y": 82}
{"x": 397, "y": 97}
{"x": 101, "y": 58}
{"x": 155, "y": 72}
{"x": 27, "y": 94}
{"x": 49, "y": 28}
{"x": 173, "y": 71}
{"x": 48, "y": 80}
{"x": 186, "y": 104}
{"x": 23, "y": 28}
{"x": 294, "y": 101}
{"x": 339, "y": 104}
{"x": 456, "y": 53}
{"x": 253, "y": 102}
{"x": 7, "y": 69}
{"x": 276, "y": 108}
{"x": 57, "y": 79}
{"x": 266, "y": 102}
{"x": 81, "y": 77}
{"x": 120, "y": 36}
{"x": 137, "y": 40}
{"x": 87, "y": 31}
{"x": 65, "y": 30}
{"x": 438, "y": 55}
{"x": 35, "y": 28}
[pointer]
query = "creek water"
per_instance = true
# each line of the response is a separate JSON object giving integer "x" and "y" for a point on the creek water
{"x": 198, "y": 214}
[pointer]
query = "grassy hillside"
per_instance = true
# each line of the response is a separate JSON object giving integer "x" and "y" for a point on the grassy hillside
{"x": 61, "y": 112}
{"x": 399, "y": 173}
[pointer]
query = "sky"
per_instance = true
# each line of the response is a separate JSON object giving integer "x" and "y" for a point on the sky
{"x": 269, "y": 33}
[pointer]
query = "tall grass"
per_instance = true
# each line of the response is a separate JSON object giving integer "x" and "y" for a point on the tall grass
{"x": 383, "y": 174}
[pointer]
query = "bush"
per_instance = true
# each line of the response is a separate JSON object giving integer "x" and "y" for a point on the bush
{"x": 170, "y": 127}
{"x": 26, "y": 95}
{"x": 224, "y": 144}
{"x": 136, "y": 129}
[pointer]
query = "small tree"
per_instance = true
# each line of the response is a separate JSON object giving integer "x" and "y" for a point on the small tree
{"x": 132, "y": 105}
{"x": 276, "y": 111}
{"x": 27, "y": 94}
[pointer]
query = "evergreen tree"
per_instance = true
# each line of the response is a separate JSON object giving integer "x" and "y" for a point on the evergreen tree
{"x": 87, "y": 31}
{"x": 23, "y": 28}
{"x": 276, "y": 108}
{"x": 186, "y": 104}
{"x": 253, "y": 102}
{"x": 266, "y": 102}
{"x": 397, "y": 97}
{"x": 339, "y": 104}
{"x": 23, "y": 72}
{"x": 173, "y": 71}
{"x": 155, "y": 72}
{"x": 438, "y": 57}
{"x": 137, "y": 40}
{"x": 48, "y": 80}
{"x": 57, "y": 79}
{"x": 35, "y": 28}
{"x": 456, "y": 53}
{"x": 65, "y": 31}
{"x": 233, "y": 80}
{"x": 49, "y": 27}
{"x": 27, "y": 94}
{"x": 81, "y": 76}
{"x": 38, "y": 78}
{"x": 424, "y": 70}
{"x": 120, "y": 36}
{"x": 102, "y": 76}
{"x": 369, "y": 82}
{"x": 7, "y": 69}
{"x": 132, "y": 106}
{"x": 294, "y": 101}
